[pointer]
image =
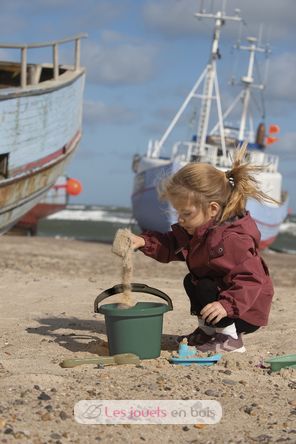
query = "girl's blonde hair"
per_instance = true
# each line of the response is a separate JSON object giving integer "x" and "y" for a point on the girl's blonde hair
{"x": 201, "y": 183}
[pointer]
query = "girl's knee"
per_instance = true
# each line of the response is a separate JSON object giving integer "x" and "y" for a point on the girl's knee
{"x": 187, "y": 281}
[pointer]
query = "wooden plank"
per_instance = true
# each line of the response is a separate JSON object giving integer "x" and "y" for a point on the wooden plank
{"x": 32, "y": 127}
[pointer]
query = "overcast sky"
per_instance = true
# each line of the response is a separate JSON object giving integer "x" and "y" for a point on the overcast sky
{"x": 142, "y": 57}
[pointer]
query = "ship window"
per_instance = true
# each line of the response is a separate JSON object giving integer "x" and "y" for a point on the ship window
{"x": 3, "y": 165}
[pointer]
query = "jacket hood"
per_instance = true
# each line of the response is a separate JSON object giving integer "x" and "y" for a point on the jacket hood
{"x": 242, "y": 226}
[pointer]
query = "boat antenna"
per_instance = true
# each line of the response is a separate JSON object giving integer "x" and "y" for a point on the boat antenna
{"x": 248, "y": 81}
{"x": 267, "y": 59}
{"x": 201, "y": 7}
{"x": 212, "y": 6}
{"x": 249, "y": 85}
{"x": 260, "y": 34}
{"x": 235, "y": 59}
{"x": 210, "y": 86}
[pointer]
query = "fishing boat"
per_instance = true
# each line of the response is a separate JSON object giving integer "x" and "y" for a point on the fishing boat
{"x": 213, "y": 142}
{"x": 41, "y": 115}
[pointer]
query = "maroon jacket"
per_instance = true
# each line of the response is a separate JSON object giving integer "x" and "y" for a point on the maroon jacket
{"x": 226, "y": 253}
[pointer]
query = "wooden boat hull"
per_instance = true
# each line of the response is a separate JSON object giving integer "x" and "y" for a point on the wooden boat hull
{"x": 39, "y": 133}
{"x": 28, "y": 223}
{"x": 20, "y": 194}
{"x": 54, "y": 201}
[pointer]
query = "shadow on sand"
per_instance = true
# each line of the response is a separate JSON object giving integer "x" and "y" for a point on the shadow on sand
{"x": 81, "y": 335}
{"x": 76, "y": 335}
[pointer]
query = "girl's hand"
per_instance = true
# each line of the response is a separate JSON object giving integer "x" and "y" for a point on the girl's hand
{"x": 213, "y": 312}
{"x": 137, "y": 241}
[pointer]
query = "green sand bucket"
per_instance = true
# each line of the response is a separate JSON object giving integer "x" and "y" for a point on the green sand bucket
{"x": 137, "y": 329}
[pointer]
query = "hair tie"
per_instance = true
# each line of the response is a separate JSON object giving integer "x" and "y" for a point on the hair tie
{"x": 230, "y": 178}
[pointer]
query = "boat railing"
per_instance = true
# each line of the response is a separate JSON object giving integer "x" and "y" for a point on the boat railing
{"x": 270, "y": 161}
{"x": 182, "y": 151}
{"x": 54, "y": 44}
{"x": 190, "y": 151}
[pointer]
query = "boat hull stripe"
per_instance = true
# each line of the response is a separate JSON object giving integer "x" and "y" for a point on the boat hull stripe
{"x": 25, "y": 177}
{"x": 45, "y": 160}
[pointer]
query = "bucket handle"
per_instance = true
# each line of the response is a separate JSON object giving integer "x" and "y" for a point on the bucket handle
{"x": 140, "y": 288}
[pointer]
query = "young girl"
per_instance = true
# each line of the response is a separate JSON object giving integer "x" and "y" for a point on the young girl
{"x": 228, "y": 284}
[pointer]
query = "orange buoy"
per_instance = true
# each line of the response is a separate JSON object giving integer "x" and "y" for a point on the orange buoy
{"x": 269, "y": 140}
{"x": 273, "y": 129}
{"x": 73, "y": 187}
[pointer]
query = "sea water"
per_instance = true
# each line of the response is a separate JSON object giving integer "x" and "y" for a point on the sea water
{"x": 286, "y": 240}
{"x": 99, "y": 223}
{"x": 93, "y": 223}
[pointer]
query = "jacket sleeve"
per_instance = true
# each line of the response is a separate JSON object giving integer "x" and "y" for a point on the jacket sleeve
{"x": 161, "y": 246}
{"x": 244, "y": 275}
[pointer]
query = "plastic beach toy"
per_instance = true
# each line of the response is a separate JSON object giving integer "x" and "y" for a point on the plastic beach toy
{"x": 188, "y": 355}
{"x": 278, "y": 362}
{"x": 125, "y": 358}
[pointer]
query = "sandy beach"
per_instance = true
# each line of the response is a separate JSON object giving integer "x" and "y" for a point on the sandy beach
{"x": 48, "y": 287}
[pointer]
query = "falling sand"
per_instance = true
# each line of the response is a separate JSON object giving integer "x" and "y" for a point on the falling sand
{"x": 122, "y": 247}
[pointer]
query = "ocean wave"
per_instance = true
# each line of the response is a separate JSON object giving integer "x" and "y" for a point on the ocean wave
{"x": 289, "y": 228}
{"x": 93, "y": 215}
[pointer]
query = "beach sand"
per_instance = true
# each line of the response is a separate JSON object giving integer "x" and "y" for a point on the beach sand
{"x": 48, "y": 287}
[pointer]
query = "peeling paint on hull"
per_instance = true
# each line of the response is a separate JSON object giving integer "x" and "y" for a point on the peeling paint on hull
{"x": 39, "y": 132}
{"x": 23, "y": 193}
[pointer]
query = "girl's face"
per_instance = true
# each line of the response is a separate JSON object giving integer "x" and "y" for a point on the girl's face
{"x": 190, "y": 217}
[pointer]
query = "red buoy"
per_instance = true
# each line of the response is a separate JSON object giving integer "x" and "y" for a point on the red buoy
{"x": 274, "y": 129}
{"x": 73, "y": 187}
{"x": 269, "y": 140}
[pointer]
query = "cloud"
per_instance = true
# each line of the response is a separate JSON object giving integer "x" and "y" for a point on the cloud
{"x": 93, "y": 14}
{"x": 176, "y": 17}
{"x": 277, "y": 17}
{"x": 93, "y": 9}
{"x": 49, "y": 17}
{"x": 287, "y": 144}
{"x": 285, "y": 147}
{"x": 109, "y": 36}
{"x": 116, "y": 62}
{"x": 100, "y": 113}
{"x": 10, "y": 24}
{"x": 282, "y": 78}
{"x": 171, "y": 17}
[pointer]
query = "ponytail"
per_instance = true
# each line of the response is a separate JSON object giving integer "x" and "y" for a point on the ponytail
{"x": 243, "y": 185}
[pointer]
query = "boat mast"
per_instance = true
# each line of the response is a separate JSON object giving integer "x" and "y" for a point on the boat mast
{"x": 211, "y": 85}
{"x": 248, "y": 82}
{"x": 244, "y": 95}
{"x": 211, "y": 81}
